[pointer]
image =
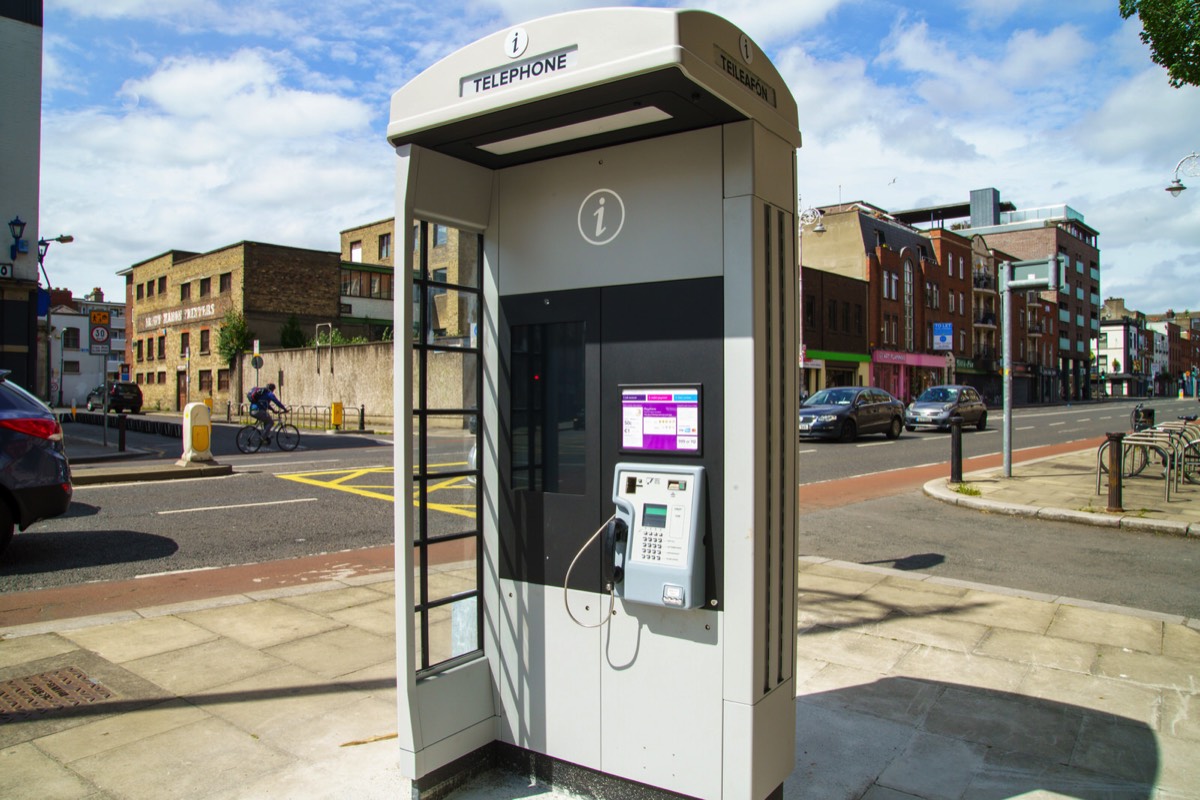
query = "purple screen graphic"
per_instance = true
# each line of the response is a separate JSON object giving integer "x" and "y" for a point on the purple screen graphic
{"x": 660, "y": 420}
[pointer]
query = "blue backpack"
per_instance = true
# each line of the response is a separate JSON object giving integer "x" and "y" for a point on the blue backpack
{"x": 255, "y": 395}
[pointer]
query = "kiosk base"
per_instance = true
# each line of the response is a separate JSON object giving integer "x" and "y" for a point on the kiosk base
{"x": 545, "y": 770}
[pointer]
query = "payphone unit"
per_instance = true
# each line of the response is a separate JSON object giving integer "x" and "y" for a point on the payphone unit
{"x": 661, "y": 560}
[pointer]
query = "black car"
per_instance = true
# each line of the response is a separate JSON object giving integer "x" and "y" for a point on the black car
{"x": 937, "y": 404}
{"x": 35, "y": 478}
{"x": 844, "y": 412}
{"x": 122, "y": 396}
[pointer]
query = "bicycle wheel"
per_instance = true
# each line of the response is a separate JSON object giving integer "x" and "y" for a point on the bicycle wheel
{"x": 1191, "y": 465}
{"x": 249, "y": 439}
{"x": 287, "y": 437}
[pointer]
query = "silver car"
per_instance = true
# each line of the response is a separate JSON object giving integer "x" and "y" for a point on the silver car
{"x": 937, "y": 404}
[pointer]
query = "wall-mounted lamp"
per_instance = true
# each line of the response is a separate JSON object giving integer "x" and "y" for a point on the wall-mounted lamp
{"x": 17, "y": 228}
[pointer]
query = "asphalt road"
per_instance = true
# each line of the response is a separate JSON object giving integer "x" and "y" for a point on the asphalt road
{"x": 822, "y": 460}
{"x": 335, "y": 494}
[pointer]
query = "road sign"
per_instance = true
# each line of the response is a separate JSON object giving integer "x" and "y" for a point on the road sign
{"x": 1042, "y": 273}
{"x": 99, "y": 334}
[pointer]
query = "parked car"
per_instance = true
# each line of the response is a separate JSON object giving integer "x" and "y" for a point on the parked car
{"x": 937, "y": 404}
{"x": 35, "y": 478}
{"x": 844, "y": 412}
{"x": 122, "y": 396}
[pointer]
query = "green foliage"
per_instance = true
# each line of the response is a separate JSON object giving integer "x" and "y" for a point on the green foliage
{"x": 234, "y": 337}
{"x": 335, "y": 336}
{"x": 1172, "y": 30}
{"x": 290, "y": 334}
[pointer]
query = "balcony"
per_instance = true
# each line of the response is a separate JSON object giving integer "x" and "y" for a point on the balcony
{"x": 1036, "y": 329}
{"x": 983, "y": 282}
{"x": 985, "y": 319}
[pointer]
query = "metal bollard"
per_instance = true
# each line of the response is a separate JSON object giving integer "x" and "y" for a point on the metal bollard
{"x": 956, "y": 449}
{"x": 228, "y": 410}
{"x": 120, "y": 433}
{"x": 1114, "y": 471}
{"x": 362, "y": 417}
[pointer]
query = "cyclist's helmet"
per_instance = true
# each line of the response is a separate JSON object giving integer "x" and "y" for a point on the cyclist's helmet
{"x": 270, "y": 387}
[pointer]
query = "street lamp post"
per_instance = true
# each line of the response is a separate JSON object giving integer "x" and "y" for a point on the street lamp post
{"x": 808, "y": 217}
{"x": 43, "y": 247}
{"x": 1189, "y": 165}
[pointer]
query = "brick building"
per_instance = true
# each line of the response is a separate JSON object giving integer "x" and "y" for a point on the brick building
{"x": 834, "y": 335}
{"x": 178, "y": 300}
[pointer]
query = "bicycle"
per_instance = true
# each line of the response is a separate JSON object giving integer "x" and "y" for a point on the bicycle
{"x": 252, "y": 437}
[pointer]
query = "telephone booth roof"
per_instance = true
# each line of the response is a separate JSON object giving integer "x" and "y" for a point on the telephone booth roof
{"x": 586, "y": 79}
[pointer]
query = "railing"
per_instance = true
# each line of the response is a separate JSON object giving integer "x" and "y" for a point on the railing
{"x": 983, "y": 280}
{"x": 987, "y": 318}
{"x": 309, "y": 417}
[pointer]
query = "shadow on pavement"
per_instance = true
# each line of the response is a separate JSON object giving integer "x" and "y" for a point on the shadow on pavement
{"x": 933, "y": 739}
{"x": 36, "y": 551}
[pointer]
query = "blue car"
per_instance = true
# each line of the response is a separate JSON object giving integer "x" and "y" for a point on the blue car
{"x": 35, "y": 477}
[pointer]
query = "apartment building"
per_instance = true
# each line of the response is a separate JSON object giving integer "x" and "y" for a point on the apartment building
{"x": 833, "y": 338}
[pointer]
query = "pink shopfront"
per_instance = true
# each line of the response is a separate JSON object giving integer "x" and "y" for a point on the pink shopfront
{"x": 906, "y": 375}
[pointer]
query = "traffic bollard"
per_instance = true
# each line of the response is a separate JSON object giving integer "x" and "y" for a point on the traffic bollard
{"x": 362, "y": 417}
{"x": 1114, "y": 471}
{"x": 120, "y": 433}
{"x": 956, "y": 449}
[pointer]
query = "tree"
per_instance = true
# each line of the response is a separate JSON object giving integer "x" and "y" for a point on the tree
{"x": 1172, "y": 30}
{"x": 234, "y": 338}
{"x": 290, "y": 334}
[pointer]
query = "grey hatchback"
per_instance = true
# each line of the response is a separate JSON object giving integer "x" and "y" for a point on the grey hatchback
{"x": 35, "y": 477}
{"x": 937, "y": 404}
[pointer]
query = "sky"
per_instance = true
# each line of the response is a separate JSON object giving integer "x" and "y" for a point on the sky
{"x": 194, "y": 124}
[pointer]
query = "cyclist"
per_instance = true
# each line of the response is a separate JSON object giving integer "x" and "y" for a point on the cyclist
{"x": 260, "y": 407}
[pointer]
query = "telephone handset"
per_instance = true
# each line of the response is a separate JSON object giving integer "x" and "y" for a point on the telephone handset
{"x": 612, "y": 552}
{"x": 659, "y": 558}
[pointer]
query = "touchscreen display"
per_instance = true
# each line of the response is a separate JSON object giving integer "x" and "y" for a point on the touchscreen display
{"x": 660, "y": 420}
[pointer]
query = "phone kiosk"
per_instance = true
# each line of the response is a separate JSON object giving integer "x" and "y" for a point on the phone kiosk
{"x": 630, "y": 174}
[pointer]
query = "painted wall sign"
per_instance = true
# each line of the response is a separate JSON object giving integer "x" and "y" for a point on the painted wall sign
{"x": 151, "y": 321}
{"x": 521, "y": 72}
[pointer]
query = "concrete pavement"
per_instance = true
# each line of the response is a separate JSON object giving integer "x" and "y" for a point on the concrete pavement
{"x": 909, "y": 686}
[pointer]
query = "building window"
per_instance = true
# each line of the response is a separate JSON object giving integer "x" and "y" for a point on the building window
{"x": 162, "y": 376}
{"x": 858, "y": 318}
{"x": 441, "y": 235}
{"x": 162, "y": 349}
{"x": 205, "y": 287}
{"x": 356, "y": 252}
{"x": 184, "y": 341}
{"x": 225, "y": 283}
{"x": 139, "y": 378}
{"x": 385, "y": 246}
{"x": 204, "y": 337}
{"x": 951, "y": 302}
{"x": 162, "y": 284}
{"x": 70, "y": 368}
{"x": 205, "y": 381}
{"x": 150, "y": 349}
{"x": 810, "y": 311}
{"x": 149, "y": 377}
{"x": 137, "y": 350}
{"x": 140, "y": 292}
{"x": 222, "y": 380}
{"x": 962, "y": 307}
{"x": 149, "y": 288}
{"x": 185, "y": 292}
{"x": 70, "y": 338}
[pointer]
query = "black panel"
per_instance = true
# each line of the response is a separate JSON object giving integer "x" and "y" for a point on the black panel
{"x": 551, "y": 489}
{"x": 689, "y": 105}
{"x": 670, "y": 332}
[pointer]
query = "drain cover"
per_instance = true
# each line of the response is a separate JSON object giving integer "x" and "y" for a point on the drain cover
{"x": 22, "y": 698}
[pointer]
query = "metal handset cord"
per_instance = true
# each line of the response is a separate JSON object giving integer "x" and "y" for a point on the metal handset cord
{"x": 567, "y": 581}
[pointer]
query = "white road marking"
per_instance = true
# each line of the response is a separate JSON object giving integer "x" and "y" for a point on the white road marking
{"x": 239, "y": 505}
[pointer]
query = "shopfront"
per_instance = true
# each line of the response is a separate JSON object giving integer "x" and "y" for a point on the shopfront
{"x": 825, "y": 368}
{"x": 907, "y": 374}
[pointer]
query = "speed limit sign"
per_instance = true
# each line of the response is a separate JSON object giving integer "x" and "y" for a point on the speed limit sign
{"x": 99, "y": 333}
